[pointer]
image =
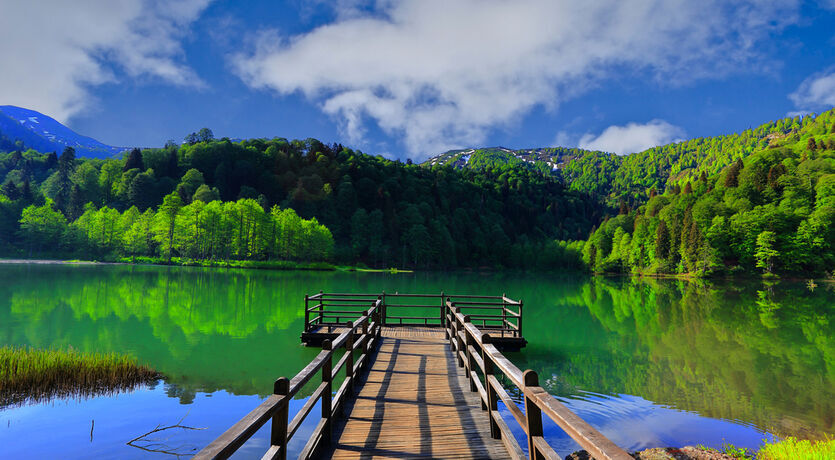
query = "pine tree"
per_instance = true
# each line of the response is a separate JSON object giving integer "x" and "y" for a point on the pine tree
{"x": 134, "y": 160}
{"x": 811, "y": 145}
{"x": 662, "y": 241}
{"x": 66, "y": 166}
{"x": 732, "y": 178}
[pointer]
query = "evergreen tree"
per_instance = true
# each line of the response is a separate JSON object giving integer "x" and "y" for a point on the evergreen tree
{"x": 134, "y": 160}
{"x": 732, "y": 176}
{"x": 66, "y": 166}
{"x": 662, "y": 241}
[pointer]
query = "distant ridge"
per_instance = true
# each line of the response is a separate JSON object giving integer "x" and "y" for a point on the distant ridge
{"x": 44, "y": 134}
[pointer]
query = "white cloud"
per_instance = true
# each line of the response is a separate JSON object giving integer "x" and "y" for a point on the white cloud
{"x": 54, "y": 51}
{"x": 817, "y": 91}
{"x": 442, "y": 73}
{"x": 633, "y": 137}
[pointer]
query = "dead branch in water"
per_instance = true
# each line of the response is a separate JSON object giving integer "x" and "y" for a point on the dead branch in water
{"x": 159, "y": 445}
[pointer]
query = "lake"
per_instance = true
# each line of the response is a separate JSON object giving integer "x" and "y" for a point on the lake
{"x": 647, "y": 362}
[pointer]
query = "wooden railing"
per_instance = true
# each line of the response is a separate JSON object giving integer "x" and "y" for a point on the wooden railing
{"x": 476, "y": 353}
{"x": 498, "y": 314}
{"x": 362, "y": 334}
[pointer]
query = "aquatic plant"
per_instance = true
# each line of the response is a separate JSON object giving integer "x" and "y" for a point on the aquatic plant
{"x": 32, "y": 375}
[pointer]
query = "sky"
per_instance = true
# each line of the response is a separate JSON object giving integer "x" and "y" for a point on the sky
{"x": 414, "y": 78}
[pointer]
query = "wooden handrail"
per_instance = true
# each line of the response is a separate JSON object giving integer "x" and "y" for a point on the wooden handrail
{"x": 472, "y": 350}
{"x": 467, "y": 340}
{"x": 331, "y": 309}
{"x": 275, "y": 407}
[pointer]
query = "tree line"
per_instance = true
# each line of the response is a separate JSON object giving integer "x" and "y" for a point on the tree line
{"x": 379, "y": 212}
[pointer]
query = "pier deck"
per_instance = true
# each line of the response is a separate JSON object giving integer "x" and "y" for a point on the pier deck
{"x": 414, "y": 402}
{"x": 415, "y": 385}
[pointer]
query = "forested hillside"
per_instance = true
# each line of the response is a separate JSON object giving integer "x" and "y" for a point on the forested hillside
{"x": 277, "y": 199}
{"x": 772, "y": 211}
{"x": 629, "y": 178}
{"x": 757, "y": 201}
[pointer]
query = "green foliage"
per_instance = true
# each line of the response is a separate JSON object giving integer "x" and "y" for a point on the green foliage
{"x": 41, "y": 225}
{"x": 774, "y": 209}
{"x": 735, "y": 452}
{"x": 791, "y": 448}
{"x": 765, "y": 251}
{"x": 405, "y": 214}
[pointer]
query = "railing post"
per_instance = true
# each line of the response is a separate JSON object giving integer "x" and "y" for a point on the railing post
{"x": 306, "y": 313}
{"x": 378, "y": 320}
{"x": 278, "y": 435}
{"x": 492, "y": 397}
{"x": 458, "y": 341}
{"x": 322, "y": 309}
{"x": 443, "y": 315}
{"x": 470, "y": 359}
{"x": 349, "y": 361}
{"x": 504, "y": 315}
{"x": 383, "y": 309}
{"x": 367, "y": 345}
{"x": 327, "y": 395}
{"x": 448, "y": 322}
{"x": 533, "y": 413}
{"x": 519, "y": 320}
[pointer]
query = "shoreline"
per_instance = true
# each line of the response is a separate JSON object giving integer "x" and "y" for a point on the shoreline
{"x": 57, "y": 262}
{"x": 244, "y": 264}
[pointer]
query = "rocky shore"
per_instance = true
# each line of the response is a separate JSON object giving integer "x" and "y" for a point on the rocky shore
{"x": 665, "y": 453}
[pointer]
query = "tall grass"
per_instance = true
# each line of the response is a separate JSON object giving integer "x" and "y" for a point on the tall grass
{"x": 32, "y": 375}
{"x": 793, "y": 449}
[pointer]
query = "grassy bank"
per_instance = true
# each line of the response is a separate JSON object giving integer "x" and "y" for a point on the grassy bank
{"x": 792, "y": 448}
{"x": 31, "y": 375}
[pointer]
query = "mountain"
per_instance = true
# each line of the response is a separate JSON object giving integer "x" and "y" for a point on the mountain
{"x": 44, "y": 134}
{"x": 631, "y": 178}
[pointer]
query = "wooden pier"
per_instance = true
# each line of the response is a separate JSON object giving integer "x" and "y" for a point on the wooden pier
{"x": 429, "y": 387}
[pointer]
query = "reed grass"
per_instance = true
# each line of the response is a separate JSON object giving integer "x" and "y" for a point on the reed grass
{"x": 794, "y": 449}
{"x": 34, "y": 375}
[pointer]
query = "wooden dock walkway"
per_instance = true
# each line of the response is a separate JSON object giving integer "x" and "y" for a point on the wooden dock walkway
{"x": 414, "y": 402}
{"x": 416, "y": 385}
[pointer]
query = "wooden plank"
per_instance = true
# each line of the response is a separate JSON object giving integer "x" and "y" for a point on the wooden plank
{"x": 513, "y": 448}
{"x": 305, "y": 410}
{"x": 508, "y": 402}
{"x": 309, "y": 371}
{"x": 414, "y": 402}
{"x": 233, "y": 438}
{"x": 599, "y": 446}
{"x": 544, "y": 450}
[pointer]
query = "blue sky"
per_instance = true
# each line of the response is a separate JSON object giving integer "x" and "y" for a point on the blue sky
{"x": 413, "y": 78}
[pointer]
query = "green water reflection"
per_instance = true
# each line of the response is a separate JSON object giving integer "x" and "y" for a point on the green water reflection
{"x": 741, "y": 351}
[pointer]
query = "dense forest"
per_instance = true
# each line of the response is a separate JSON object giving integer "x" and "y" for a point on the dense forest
{"x": 276, "y": 199}
{"x": 772, "y": 211}
{"x": 762, "y": 201}
{"x": 628, "y": 179}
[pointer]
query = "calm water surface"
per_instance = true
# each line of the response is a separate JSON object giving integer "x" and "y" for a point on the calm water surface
{"x": 649, "y": 363}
